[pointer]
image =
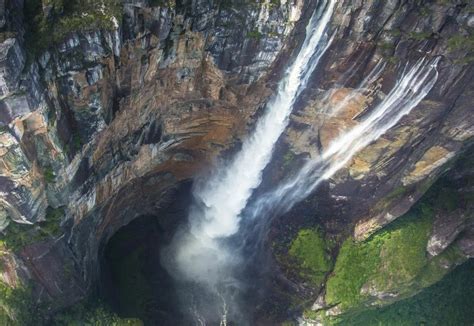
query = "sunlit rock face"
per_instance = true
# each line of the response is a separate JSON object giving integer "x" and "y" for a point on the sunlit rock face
{"x": 105, "y": 123}
{"x": 405, "y": 156}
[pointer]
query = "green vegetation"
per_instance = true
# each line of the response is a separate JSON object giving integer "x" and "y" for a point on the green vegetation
{"x": 92, "y": 313}
{"x": 464, "y": 43}
{"x": 395, "y": 32}
{"x": 403, "y": 249}
{"x": 434, "y": 270}
{"x": 387, "y": 46}
{"x": 239, "y": 4}
{"x": 275, "y": 3}
{"x": 288, "y": 159}
{"x": 390, "y": 259}
{"x": 16, "y": 306}
{"x": 311, "y": 251}
{"x": 446, "y": 2}
{"x": 162, "y": 3}
{"x": 394, "y": 259}
{"x": 52, "y": 116}
{"x": 355, "y": 264}
{"x": 398, "y": 193}
{"x": 51, "y": 226}
{"x": 49, "y": 175}
{"x": 420, "y": 36}
{"x": 254, "y": 35}
{"x": 18, "y": 309}
{"x": 50, "y": 21}
{"x": 448, "y": 302}
{"x": 425, "y": 11}
{"x": 77, "y": 141}
{"x": 392, "y": 59}
{"x": 17, "y": 236}
{"x": 289, "y": 323}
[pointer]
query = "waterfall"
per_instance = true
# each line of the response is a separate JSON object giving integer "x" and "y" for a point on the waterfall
{"x": 225, "y": 195}
{"x": 197, "y": 253}
{"x": 410, "y": 89}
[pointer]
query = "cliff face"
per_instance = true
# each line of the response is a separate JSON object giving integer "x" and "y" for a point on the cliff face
{"x": 417, "y": 148}
{"x": 99, "y": 127}
{"x": 386, "y": 179}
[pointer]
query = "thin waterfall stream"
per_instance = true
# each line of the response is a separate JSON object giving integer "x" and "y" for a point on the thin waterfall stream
{"x": 414, "y": 84}
{"x": 410, "y": 89}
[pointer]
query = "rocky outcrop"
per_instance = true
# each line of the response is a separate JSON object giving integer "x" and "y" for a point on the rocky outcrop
{"x": 11, "y": 62}
{"x": 446, "y": 229}
{"x": 454, "y": 222}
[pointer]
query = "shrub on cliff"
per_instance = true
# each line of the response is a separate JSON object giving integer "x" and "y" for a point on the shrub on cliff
{"x": 49, "y": 22}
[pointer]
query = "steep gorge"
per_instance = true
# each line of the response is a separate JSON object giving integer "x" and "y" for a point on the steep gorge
{"x": 108, "y": 108}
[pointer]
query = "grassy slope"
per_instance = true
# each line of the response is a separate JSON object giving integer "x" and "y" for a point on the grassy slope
{"x": 387, "y": 261}
{"x": 311, "y": 252}
{"x": 394, "y": 260}
{"x": 91, "y": 313}
{"x": 448, "y": 302}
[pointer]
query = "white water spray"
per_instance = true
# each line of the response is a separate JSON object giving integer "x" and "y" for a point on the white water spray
{"x": 414, "y": 84}
{"x": 195, "y": 254}
{"x": 225, "y": 195}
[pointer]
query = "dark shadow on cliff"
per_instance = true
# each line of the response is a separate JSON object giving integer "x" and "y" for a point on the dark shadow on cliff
{"x": 133, "y": 282}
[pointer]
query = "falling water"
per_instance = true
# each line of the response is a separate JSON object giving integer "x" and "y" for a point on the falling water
{"x": 367, "y": 81}
{"x": 197, "y": 253}
{"x": 226, "y": 195}
{"x": 410, "y": 89}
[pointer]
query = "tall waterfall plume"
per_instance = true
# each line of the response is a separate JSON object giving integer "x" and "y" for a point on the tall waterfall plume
{"x": 197, "y": 253}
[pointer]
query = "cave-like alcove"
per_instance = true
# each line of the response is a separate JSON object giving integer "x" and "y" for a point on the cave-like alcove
{"x": 133, "y": 282}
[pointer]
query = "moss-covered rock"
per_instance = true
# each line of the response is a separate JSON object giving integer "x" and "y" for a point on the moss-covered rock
{"x": 17, "y": 236}
{"x": 50, "y": 21}
{"x": 390, "y": 265}
{"x": 311, "y": 251}
{"x": 92, "y": 313}
{"x": 354, "y": 265}
{"x": 17, "y": 307}
{"x": 448, "y": 302}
